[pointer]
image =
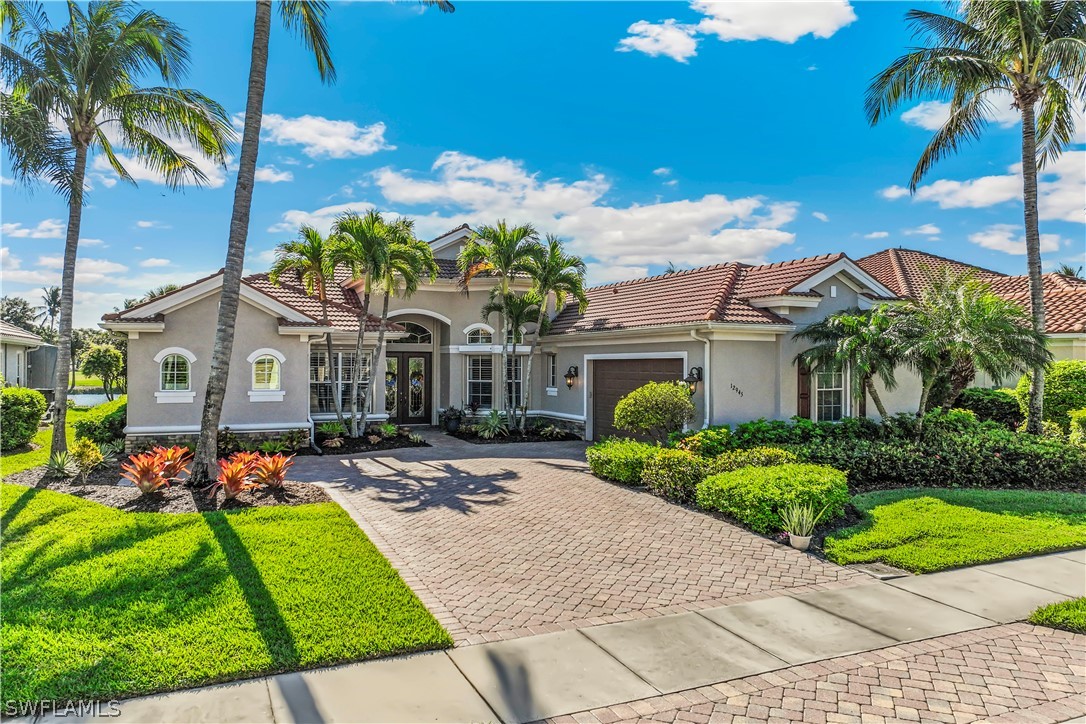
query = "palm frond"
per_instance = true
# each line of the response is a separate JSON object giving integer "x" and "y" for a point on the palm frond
{"x": 305, "y": 18}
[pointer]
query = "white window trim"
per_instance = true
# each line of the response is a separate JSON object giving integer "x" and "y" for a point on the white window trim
{"x": 468, "y": 380}
{"x": 163, "y": 354}
{"x": 266, "y": 351}
{"x": 175, "y": 396}
{"x": 479, "y": 326}
{"x": 846, "y": 392}
{"x": 265, "y": 395}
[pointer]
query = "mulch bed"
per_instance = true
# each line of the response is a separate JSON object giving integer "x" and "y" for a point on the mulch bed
{"x": 355, "y": 445}
{"x": 513, "y": 436}
{"x": 102, "y": 487}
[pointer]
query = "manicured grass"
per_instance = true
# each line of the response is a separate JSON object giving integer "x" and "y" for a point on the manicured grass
{"x": 1068, "y": 615}
{"x": 924, "y": 530}
{"x": 102, "y": 603}
{"x": 11, "y": 463}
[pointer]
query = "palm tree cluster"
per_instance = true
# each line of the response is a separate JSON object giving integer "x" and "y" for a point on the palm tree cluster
{"x": 501, "y": 254}
{"x": 954, "y": 329}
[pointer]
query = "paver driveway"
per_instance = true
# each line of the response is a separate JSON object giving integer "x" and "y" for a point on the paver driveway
{"x": 502, "y": 541}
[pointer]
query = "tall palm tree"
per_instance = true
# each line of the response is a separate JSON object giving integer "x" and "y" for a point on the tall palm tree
{"x": 310, "y": 256}
{"x": 50, "y": 307}
{"x": 410, "y": 262}
{"x": 554, "y": 273}
{"x": 86, "y": 77}
{"x": 1070, "y": 271}
{"x": 517, "y": 310}
{"x": 306, "y": 18}
{"x": 160, "y": 290}
{"x": 863, "y": 341}
{"x": 1035, "y": 52}
{"x": 361, "y": 244}
{"x": 499, "y": 252}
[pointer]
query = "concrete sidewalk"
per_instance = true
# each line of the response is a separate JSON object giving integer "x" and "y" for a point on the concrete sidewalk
{"x": 555, "y": 674}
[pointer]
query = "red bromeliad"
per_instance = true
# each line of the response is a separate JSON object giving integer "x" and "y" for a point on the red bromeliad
{"x": 146, "y": 472}
{"x": 271, "y": 470}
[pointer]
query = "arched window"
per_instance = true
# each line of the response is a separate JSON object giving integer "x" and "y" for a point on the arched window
{"x": 480, "y": 335}
{"x": 509, "y": 336}
{"x": 266, "y": 373}
{"x": 416, "y": 334}
{"x": 174, "y": 374}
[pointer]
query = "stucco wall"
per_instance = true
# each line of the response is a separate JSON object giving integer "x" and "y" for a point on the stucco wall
{"x": 745, "y": 379}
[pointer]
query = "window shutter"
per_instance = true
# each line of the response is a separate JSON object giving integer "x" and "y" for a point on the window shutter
{"x": 803, "y": 403}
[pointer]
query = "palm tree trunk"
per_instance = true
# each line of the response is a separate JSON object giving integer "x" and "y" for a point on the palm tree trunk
{"x": 1033, "y": 260}
{"x": 870, "y": 385}
{"x": 67, "y": 291}
{"x": 336, "y": 399}
{"x": 528, "y": 372}
{"x": 379, "y": 353}
{"x": 362, "y": 318}
{"x": 207, "y": 448}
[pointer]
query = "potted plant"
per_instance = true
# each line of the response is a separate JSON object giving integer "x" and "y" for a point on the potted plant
{"x": 799, "y": 521}
{"x": 452, "y": 417}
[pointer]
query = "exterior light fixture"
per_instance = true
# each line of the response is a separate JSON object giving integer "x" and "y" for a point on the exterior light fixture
{"x": 571, "y": 375}
{"x": 693, "y": 377}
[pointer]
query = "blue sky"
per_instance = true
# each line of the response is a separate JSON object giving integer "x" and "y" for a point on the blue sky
{"x": 643, "y": 133}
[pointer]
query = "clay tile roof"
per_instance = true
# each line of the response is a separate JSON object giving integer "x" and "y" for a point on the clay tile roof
{"x": 343, "y": 316}
{"x": 447, "y": 269}
{"x": 903, "y": 269}
{"x": 462, "y": 227}
{"x": 778, "y": 278}
{"x": 12, "y": 333}
{"x": 684, "y": 297}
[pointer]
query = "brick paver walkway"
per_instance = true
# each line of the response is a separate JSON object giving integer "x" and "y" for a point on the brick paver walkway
{"x": 513, "y": 540}
{"x": 1016, "y": 673}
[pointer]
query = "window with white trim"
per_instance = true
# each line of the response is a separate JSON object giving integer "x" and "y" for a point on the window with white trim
{"x": 480, "y": 335}
{"x": 830, "y": 394}
{"x": 481, "y": 381}
{"x": 416, "y": 334}
{"x": 174, "y": 374}
{"x": 266, "y": 373}
{"x": 509, "y": 336}
{"x": 327, "y": 380}
{"x": 514, "y": 379}
{"x": 552, "y": 370}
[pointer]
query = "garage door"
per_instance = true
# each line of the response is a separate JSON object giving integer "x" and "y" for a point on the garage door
{"x": 613, "y": 379}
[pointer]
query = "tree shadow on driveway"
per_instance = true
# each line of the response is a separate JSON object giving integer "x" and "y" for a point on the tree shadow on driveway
{"x": 420, "y": 486}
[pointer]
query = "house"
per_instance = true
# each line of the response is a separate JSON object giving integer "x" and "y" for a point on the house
{"x": 25, "y": 359}
{"x": 729, "y": 328}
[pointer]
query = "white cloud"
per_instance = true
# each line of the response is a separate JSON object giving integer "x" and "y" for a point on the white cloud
{"x": 272, "y": 175}
{"x": 785, "y": 22}
{"x": 669, "y": 38}
{"x": 468, "y": 189}
{"x": 662, "y": 171}
{"x": 46, "y": 229}
{"x": 87, "y": 271}
{"x": 671, "y": 182}
{"x": 325, "y": 138}
{"x": 91, "y": 242}
{"x": 1059, "y": 190}
{"x": 147, "y": 224}
{"x": 812, "y": 67}
{"x": 820, "y": 216}
{"x": 607, "y": 273}
{"x": 1009, "y": 239}
{"x": 923, "y": 230}
{"x": 877, "y": 235}
{"x": 931, "y": 115}
{"x": 155, "y": 261}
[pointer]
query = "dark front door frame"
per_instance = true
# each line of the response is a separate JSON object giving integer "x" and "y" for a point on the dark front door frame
{"x": 401, "y": 389}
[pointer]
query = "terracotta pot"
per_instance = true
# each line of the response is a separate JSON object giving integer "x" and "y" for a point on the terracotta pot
{"x": 799, "y": 542}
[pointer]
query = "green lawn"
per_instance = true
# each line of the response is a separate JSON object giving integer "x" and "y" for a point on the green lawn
{"x": 1068, "y": 615}
{"x": 924, "y": 530}
{"x": 102, "y": 603}
{"x": 11, "y": 463}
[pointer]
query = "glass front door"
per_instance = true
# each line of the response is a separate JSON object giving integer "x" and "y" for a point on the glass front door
{"x": 407, "y": 387}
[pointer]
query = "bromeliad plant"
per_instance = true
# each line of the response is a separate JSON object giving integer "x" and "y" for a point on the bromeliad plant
{"x": 800, "y": 519}
{"x": 234, "y": 476}
{"x": 145, "y": 472}
{"x": 271, "y": 470}
{"x": 174, "y": 461}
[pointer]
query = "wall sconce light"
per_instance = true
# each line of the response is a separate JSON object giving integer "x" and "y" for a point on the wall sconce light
{"x": 693, "y": 377}
{"x": 571, "y": 375}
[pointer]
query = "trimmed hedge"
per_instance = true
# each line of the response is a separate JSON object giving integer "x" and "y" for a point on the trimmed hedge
{"x": 1065, "y": 390}
{"x": 104, "y": 423}
{"x": 619, "y": 459}
{"x": 710, "y": 442}
{"x": 754, "y": 457}
{"x": 755, "y": 496}
{"x": 1078, "y": 426}
{"x": 675, "y": 474}
{"x": 656, "y": 409}
{"x": 21, "y": 410}
{"x": 991, "y": 406}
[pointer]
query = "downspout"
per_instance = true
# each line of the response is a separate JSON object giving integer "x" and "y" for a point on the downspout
{"x": 707, "y": 376}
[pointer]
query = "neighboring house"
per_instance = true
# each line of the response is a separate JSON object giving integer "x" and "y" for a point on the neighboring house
{"x": 734, "y": 323}
{"x": 25, "y": 358}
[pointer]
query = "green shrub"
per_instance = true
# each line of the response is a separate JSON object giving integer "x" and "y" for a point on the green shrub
{"x": 999, "y": 406}
{"x": 708, "y": 443}
{"x": 21, "y": 410}
{"x": 656, "y": 409}
{"x": 756, "y": 496}
{"x": 1065, "y": 390}
{"x": 675, "y": 474}
{"x": 1078, "y": 426}
{"x": 621, "y": 460}
{"x": 104, "y": 423}
{"x": 800, "y": 430}
{"x": 754, "y": 457}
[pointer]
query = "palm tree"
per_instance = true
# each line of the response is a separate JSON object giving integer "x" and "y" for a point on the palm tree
{"x": 310, "y": 257}
{"x": 517, "y": 310}
{"x": 86, "y": 77}
{"x": 959, "y": 326}
{"x": 553, "y": 273}
{"x": 1069, "y": 271}
{"x": 361, "y": 243}
{"x": 500, "y": 252}
{"x": 160, "y": 291}
{"x": 410, "y": 261}
{"x": 306, "y": 18}
{"x": 862, "y": 341}
{"x": 50, "y": 307}
{"x": 1034, "y": 51}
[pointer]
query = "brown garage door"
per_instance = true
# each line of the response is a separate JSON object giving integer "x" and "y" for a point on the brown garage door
{"x": 613, "y": 379}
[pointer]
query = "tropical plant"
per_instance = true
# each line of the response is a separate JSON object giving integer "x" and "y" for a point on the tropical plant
{"x": 50, "y": 307}
{"x": 87, "y": 457}
{"x": 310, "y": 257}
{"x": 104, "y": 362}
{"x": 863, "y": 341}
{"x": 499, "y": 252}
{"x": 386, "y": 430}
{"x": 304, "y": 17}
{"x": 1031, "y": 53}
{"x": 19, "y": 312}
{"x": 111, "y": 449}
{"x": 1068, "y": 270}
{"x": 1065, "y": 390}
{"x": 491, "y": 426}
{"x": 62, "y": 465}
{"x": 270, "y": 447}
{"x": 516, "y": 310}
{"x": 332, "y": 429}
{"x": 174, "y": 460}
{"x": 554, "y": 274}
{"x": 85, "y": 77}
{"x": 800, "y": 519}
{"x": 233, "y": 477}
{"x": 656, "y": 409}
{"x": 145, "y": 471}
{"x": 271, "y": 470}
{"x": 160, "y": 291}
